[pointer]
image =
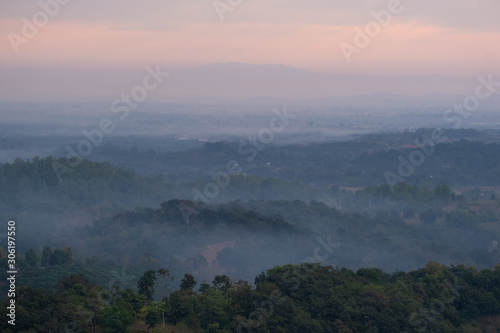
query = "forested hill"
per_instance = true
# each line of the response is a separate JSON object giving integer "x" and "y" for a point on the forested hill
{"x": 90, "y": 183}
{"x": 405, "y": 227}
{"x": 65, "y": 194}
{"x": 290, "y": 298}
{"x": 262, "y": 234}
{"x": 361, "y": 162}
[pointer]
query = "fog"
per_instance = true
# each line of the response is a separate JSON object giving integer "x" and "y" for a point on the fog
{"x": 306, "y": 165}
{"x": 230, "y": 82}
{"x": 305, "y": 185}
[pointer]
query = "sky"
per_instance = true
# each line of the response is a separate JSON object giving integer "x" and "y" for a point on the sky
{"x": 449, "y": 37}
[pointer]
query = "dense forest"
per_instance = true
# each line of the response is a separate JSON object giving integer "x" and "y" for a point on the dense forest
{"x": 457, "y": 158}
{"x": 290, "y": 298}
{"x": 263, "y": 233}
{"x": 185, "y": 240}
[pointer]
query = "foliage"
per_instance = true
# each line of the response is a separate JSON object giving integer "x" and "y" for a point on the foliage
{"x": 290, "y": 298}
{"x": 146, "y": 284}
{"x": 188, "y": 282}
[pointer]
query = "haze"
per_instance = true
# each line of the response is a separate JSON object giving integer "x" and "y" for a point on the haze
{"x": 93, "y": 50}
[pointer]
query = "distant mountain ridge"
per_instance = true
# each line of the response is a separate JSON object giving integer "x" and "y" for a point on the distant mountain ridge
{"x": 244, "y": 83}
{"x": 244, "y": 80}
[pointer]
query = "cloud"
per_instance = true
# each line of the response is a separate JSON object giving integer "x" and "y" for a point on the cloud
{"x": 447, "y": 36}
{"x": 463, "y": 14}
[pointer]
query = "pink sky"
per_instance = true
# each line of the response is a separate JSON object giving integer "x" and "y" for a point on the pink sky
{"x": 457, "y": 38}
{"x": 401, "y": 48}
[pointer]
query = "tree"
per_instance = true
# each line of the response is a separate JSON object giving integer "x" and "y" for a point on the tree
{"x": 204, "y": 287}
{"x": 46, "y": 254}
{"x": 31, "y": 258}
{"x": 116, "y": 319}
{"x": 222, "y": 283}
{"x": 215, "y": 314}
{"x": 132, "y": 300}
{"x": 69, "y": 282}
{"x": 146, "y": 285}
{"x": 188, "y": 282}
{"x": 153, "y": 314}
{"x": 372, "y": 274}
{"x": 61, "y": 257}
{"x": 183, "y": 305}
{"x": 442, "y": 192}
{"x": 165, "y": 276}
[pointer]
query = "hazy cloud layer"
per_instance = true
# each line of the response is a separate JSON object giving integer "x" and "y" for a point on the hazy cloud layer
{"x": 451, "y": 37}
